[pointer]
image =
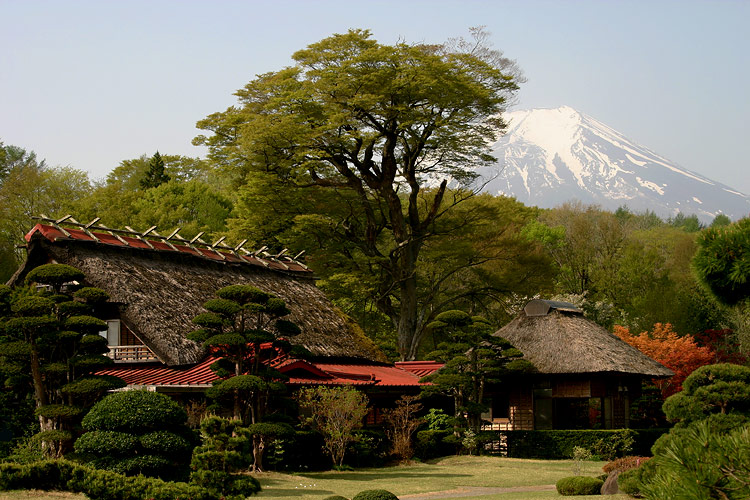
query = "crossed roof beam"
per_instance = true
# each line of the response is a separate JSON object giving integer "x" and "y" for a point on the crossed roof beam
{"x": 261, "y": 255}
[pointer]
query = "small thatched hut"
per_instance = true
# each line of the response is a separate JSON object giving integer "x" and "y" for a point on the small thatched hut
{"x": 157, "y": 284}
{"x": 586, "y": 376}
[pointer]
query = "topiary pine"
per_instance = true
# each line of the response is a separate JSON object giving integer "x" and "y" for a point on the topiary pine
{"x": 245, "y": 329}
{"x": 53, "y": 340}
{"x": 137, "y": 432}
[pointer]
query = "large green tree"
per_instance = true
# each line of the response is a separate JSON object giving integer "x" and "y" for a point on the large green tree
{"x": 378, "y": 123}
{"x": 29, "y": 187}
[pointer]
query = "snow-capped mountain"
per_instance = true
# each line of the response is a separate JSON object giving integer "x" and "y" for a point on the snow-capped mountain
{"x": 550, "y": 156}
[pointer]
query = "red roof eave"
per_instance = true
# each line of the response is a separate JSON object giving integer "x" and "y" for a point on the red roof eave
{"x": 54, "y": 234}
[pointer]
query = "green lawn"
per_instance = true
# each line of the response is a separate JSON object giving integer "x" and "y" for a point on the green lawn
{"x": 450, "y": 473}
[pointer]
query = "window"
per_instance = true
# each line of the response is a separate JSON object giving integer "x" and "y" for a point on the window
{"x": 112, "y": 333}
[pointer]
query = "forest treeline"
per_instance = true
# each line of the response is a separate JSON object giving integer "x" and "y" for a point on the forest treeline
{"x": 488, "y": 256}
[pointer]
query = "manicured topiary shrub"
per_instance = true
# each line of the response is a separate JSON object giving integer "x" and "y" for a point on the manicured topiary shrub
{"x": 375, "y": 495}
{"x": 579, "y": 485}
{"x": 224, "y": 452}
{"x": 54, "y": 274}
{"x": 137, "y": 432}
{"x": 136, "y": 412}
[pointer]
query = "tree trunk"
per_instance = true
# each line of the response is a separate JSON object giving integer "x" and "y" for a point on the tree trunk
{"x": 259, "y": 447}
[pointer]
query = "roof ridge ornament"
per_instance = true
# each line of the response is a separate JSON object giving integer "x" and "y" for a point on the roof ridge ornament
{"x": 251, "y": 257}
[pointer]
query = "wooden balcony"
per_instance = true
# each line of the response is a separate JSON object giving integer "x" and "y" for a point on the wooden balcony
{"x": 131, "y": 353}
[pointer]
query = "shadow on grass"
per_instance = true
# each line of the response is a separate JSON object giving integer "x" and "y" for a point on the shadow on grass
{"x": 297, "y": 492}
{"x": 359, "y": 476}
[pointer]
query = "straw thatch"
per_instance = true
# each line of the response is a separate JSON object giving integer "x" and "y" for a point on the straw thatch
{"x": 160, "y": 293}
{"x": 563, "y": 341}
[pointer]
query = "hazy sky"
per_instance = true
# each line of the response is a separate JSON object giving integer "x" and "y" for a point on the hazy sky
{"x": 91, "y": 83}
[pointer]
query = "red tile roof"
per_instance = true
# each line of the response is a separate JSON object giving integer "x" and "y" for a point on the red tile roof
{"x": 420, "y": 368}
{"x": 156, "y": 244}
{"x": 300, "y": 372}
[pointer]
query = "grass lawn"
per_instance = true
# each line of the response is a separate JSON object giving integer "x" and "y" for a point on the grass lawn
{"x": 449, "y": 473}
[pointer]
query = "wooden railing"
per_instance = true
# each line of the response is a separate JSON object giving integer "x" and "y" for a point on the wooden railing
{"x": 131, "y": 353}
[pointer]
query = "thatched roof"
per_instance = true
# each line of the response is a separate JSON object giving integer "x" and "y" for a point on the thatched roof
{"x": 161, "y": 289}
{"x": 563, "y": 341}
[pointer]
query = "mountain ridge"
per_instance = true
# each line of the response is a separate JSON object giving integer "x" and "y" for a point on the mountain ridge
{"x": 549, "y": 156}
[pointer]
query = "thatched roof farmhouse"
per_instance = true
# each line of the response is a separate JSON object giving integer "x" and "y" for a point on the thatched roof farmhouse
{"x": 159, "y": 284}
{"x": 586, "y": 377}
{"x": 557, "y": 339}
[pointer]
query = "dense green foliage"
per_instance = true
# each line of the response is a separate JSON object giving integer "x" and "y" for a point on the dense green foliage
{"x": 709, "y": 447}
{"x": 559, "y": 444}
{"x": 710, "y": 464}
{"x": 579, "y": 485}
{"x": 96, "y": 484}
{"x": 137, "y": 432}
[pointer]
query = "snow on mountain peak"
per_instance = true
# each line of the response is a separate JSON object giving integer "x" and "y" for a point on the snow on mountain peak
{"x": 549, "y": 156}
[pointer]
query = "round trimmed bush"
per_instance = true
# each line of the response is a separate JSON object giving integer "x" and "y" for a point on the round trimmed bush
{"x": 92, "y": 295}
{"x": 92, "y": 385}
{"x": 375, "y": 495}
{"x": 33, "y": 306}
{"x": 106, "y": 443}
{"x": 137, "y": 432}
{"x": 579, "y": 485}
{"x": 54, "y": 274}
{"x": 85, "y": 324}
{"x": 243, "y": 294}
{"x": 134, "y": 411}
{"x": 73, "y": 308}
{"x": 165, "y": 443}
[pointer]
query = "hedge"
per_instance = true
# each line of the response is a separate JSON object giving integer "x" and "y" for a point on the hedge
{"x": 559, "y": 444}
{"x": 103, "y": 485}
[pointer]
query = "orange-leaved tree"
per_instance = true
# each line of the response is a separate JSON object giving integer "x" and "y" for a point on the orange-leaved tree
{"x": 679, "y": 353}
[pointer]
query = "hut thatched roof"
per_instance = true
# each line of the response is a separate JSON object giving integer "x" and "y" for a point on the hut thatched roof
{"x": 162, "y": 288}
{"x": 563, "y": 341}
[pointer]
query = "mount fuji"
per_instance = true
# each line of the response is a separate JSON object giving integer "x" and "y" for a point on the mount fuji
{"x": 550, "y": 156}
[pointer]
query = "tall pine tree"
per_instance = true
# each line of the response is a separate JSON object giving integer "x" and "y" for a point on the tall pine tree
{"x": 155, "y": 175}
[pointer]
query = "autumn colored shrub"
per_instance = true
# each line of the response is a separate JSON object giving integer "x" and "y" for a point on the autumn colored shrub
{"x": 624, "y": 463}
{"x": 679, "y": 353}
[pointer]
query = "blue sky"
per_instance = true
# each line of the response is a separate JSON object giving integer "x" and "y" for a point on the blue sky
{"x": 91, "y": 83}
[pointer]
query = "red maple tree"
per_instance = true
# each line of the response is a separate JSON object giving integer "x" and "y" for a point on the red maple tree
{"x": 679, "y": 353}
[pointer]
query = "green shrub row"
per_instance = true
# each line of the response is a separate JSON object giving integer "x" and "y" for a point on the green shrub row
{"x": 579, "y": 485}
{"x": 102, "y": 485}
{"x": 559, "y": 444}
